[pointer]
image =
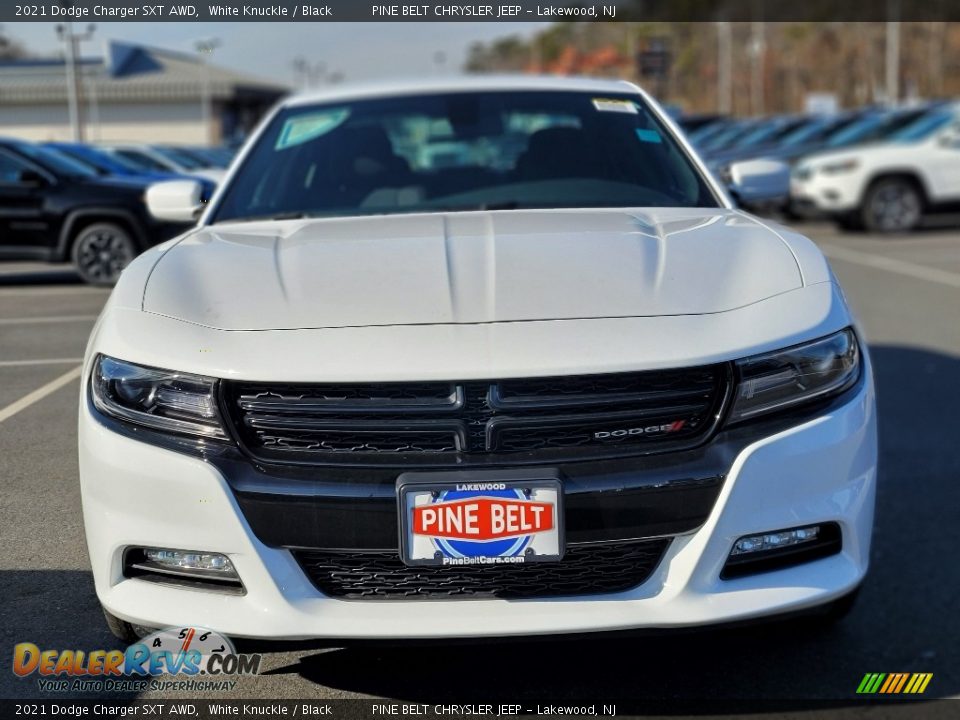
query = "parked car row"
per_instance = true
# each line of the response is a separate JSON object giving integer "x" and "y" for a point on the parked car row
{"x": 85, "y": 204}
{"x": 880, "y": 169}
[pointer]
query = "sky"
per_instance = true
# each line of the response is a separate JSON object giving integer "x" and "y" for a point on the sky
{"x": 361, "y": 51}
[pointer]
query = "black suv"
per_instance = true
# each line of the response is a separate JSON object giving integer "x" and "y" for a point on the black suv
{"x": 55, "y": 208}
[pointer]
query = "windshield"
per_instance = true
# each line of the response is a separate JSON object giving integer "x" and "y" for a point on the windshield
{"x": 101, "y": 161}
{"x": 923, "y": 127}
{"x": 96, "y": 163}
{"x": 55, "y": 161}
{"x": 467, "y": 151}
{"x": 874, "y": 127}
{"x": 813, "y": 130}
{"x": 210, "y": 157}
{"x": 766, "y": 133}
{"x": 857, "y": 130}
{"x": 183, "y": 159}
{"x": 700, "y": 135}
{"x": 728, "y": 137}
{"x": 139, "y": 160}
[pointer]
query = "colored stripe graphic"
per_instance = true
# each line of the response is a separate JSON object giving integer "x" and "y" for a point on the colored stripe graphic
{"x": 892, "y": 679}
{"x": 894, "y": 683}
{"x": 862, "y": 688}
{"x": 900, "y": 684}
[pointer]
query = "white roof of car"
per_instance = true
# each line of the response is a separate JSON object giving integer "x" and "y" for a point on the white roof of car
{"x": 469, "y": 83}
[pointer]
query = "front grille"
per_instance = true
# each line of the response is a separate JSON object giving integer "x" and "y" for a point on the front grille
{"x": 584, "y": 570}
{"x": 516, "y": 420}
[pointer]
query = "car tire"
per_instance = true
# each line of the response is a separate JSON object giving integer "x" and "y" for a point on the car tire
{"x": 122, "y": 630}
{"x": 101, "y": 251}
{"x": 892, "y": 205}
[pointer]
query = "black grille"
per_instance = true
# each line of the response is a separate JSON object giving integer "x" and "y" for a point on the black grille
{"x": 523, "y": 420}
{"x": 584, "y": 570}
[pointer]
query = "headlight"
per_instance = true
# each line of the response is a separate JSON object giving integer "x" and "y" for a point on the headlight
{"x": 781, "y": 379}
{"x": 840, "y": 167}
{"x": 160, "y": 399}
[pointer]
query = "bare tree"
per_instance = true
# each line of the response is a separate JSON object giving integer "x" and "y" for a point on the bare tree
{"x": 10, "y": 49}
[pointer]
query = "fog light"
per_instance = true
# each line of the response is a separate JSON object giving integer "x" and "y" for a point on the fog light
{"x": 186, "y": 568}
{"x": 780, "y": 549}
{"x": 183, "y": 560}
{"x": 759, "y": 543}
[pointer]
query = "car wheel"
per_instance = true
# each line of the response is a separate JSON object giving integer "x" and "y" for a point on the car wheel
{"x": 101, "y": 251}
{"x": 122, "y": 630}
{"x": 893, "y": 205}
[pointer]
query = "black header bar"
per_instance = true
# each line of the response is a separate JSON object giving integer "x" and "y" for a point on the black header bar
{"x": 100, "y": 11}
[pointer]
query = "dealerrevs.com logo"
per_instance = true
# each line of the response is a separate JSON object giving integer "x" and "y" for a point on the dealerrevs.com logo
{"x": 188, "y": 658}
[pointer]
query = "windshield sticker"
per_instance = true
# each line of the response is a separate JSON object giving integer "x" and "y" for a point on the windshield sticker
{"x": 648, "y": 136}
{"x": 303, "y": 128}
{"x": 611, "y": 105}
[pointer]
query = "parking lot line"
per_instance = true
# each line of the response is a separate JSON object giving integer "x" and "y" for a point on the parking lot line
{"x": 39, "y": 394}
{"x": 881, "y": 262}
{"x": 39, "y": 361}
{"x": 47, "y": 319}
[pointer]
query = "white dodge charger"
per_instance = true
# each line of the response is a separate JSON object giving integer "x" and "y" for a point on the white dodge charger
{"x": 474, "y": 357}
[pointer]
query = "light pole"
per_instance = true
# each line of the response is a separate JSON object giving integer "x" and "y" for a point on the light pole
{"x": 71, "y": 41}
{"x": 205, "y": 48}
{"x": 758, "y": 48}
{"x": 724, "y": 68}
{"x": 893, "y": 53}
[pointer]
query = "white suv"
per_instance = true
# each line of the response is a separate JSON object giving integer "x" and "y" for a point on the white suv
{"x": 382, "y": 391}
{"x": 887, "y": 187}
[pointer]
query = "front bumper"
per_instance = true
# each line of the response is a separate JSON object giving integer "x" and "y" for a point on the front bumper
{"x": 820, "y": 469}
{"x": 831, "y": 194}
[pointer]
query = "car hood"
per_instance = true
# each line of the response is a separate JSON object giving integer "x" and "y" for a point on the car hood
{"x": 862, "y": 152}
{"x": 475, "y": 267}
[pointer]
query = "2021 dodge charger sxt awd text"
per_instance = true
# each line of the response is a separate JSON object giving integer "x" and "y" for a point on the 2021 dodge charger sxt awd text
{"x": 437, "y": 356}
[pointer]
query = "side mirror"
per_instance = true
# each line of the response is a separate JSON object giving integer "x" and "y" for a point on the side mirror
{"x": 178, "y": 201}
{"x": 760, "y": 181}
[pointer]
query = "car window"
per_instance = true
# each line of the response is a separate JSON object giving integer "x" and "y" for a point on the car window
{"x": 760, "y": 134}
{"x": 10, "y": 169}
{"x": 54, "y": 160}
{"x": 464, "y": 151}
{"x": 81, "y": 157}
{"x": 810, "y": 131}
{"x": 102, "y": 160}
{"x": 877, "y": 127}
{"x": 923, "y": 127}
{"x": 141, "y": 160}
{"x": 183, "y": 159}
{"x": 729, "y": 136}
{"x": 853, "y": 132}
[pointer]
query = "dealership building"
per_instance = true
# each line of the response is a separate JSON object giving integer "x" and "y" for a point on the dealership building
{"x": 133, "y": 93}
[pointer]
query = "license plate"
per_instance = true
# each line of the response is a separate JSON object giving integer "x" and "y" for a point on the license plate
{"x": 484, "y": 520}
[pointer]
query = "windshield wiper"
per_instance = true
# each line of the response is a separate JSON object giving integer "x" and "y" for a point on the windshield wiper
{"x": 506, "y": 205}
{"x": 292, "y": 215}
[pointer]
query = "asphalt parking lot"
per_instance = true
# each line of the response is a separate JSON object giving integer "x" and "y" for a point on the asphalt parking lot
{"x": 906, "y": 291}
